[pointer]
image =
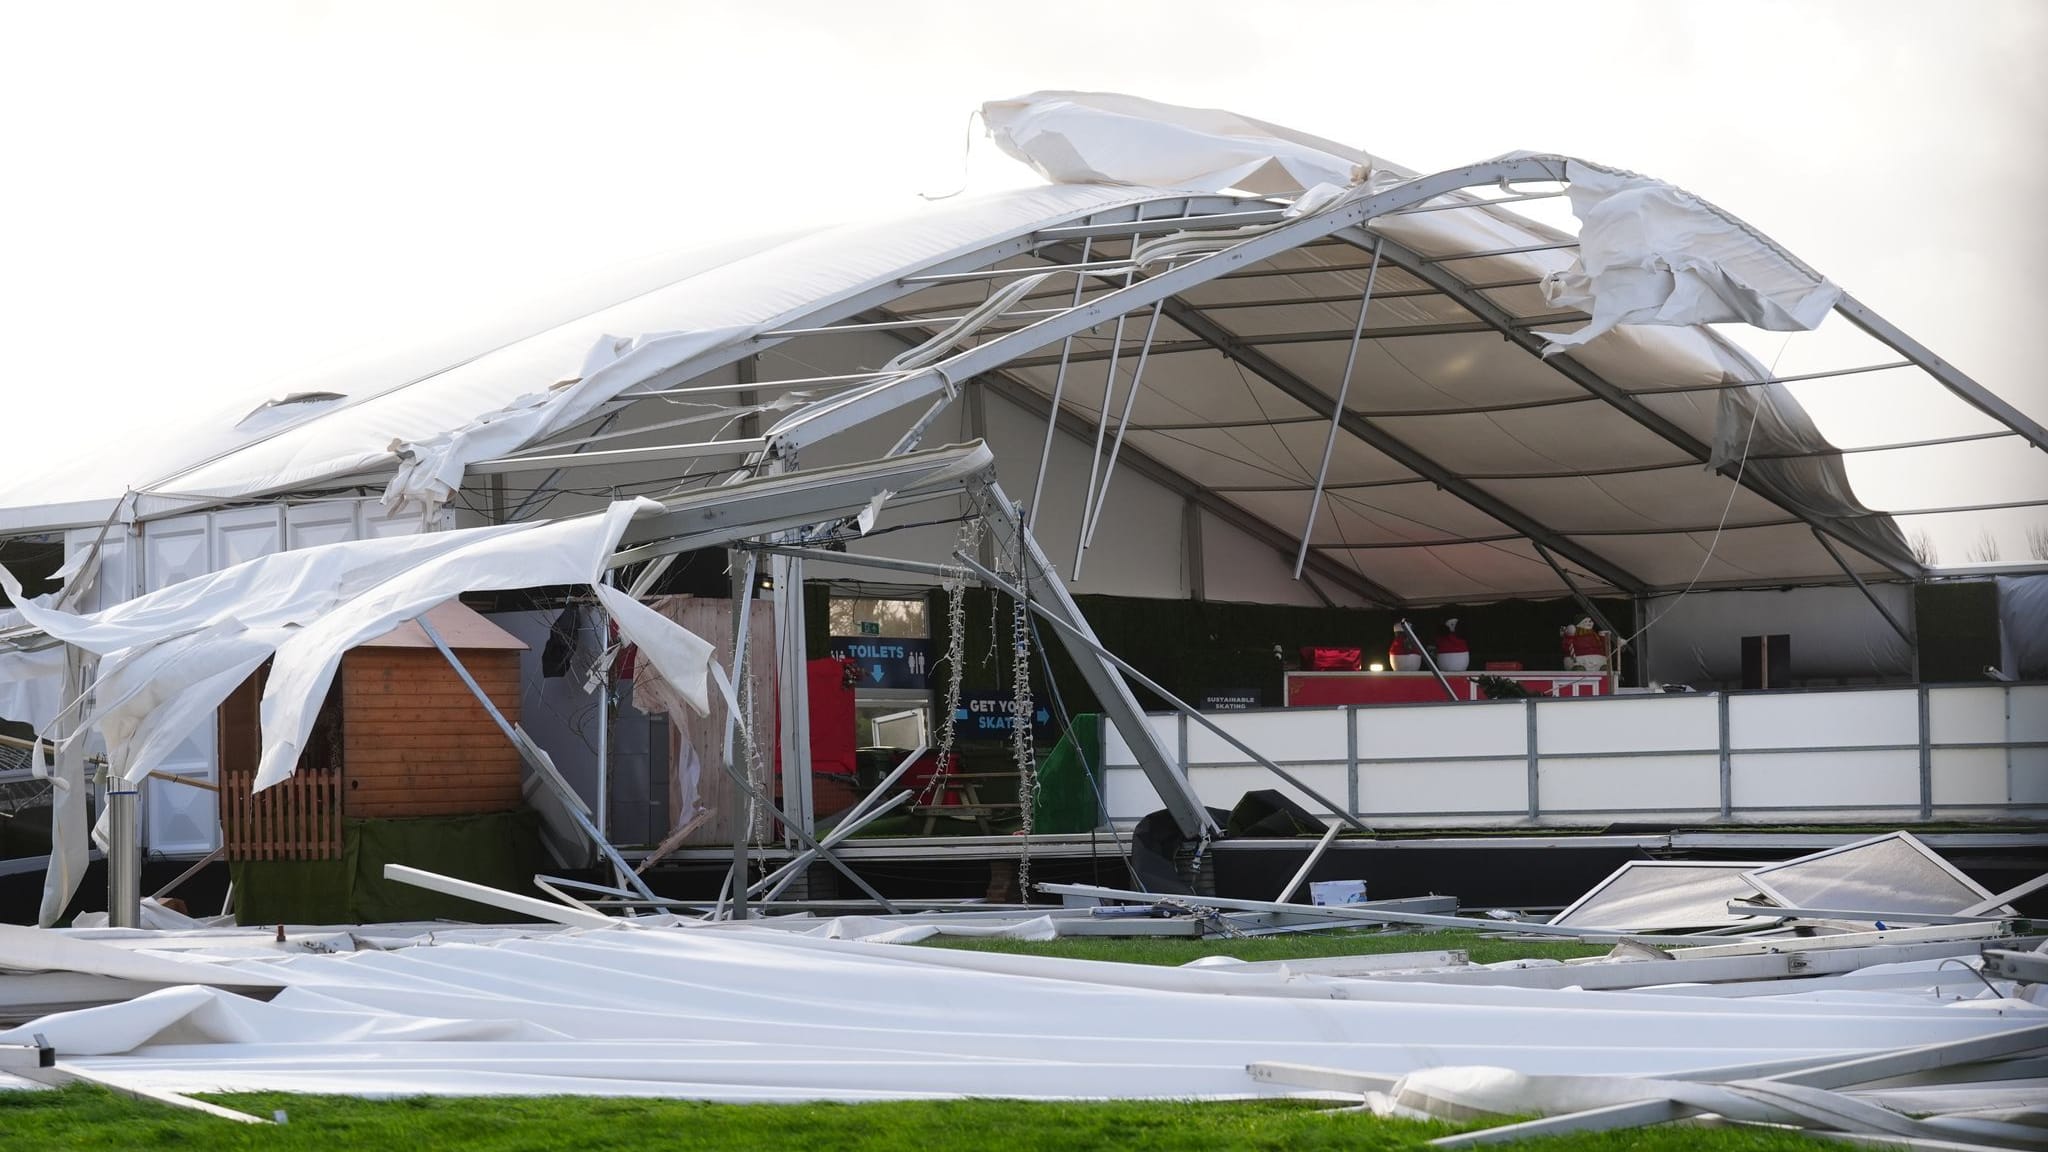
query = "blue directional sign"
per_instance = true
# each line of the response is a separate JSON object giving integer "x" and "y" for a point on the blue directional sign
{"x": 986, "y": 716}
{"x": 886, "y": 661}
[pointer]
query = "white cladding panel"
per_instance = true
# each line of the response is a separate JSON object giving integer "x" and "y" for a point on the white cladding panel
{"x": 1499, "y": 786}
{"x": 1304, "y": 734}
{"x": 1476, "y": 730}
{"x": 1614, "y": 783}
{"x": 1825, "y": 780}
{"x": 1629, "y": 724}
{"x": 1818, "y": 719}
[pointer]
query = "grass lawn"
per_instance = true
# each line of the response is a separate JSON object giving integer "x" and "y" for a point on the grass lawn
{"x": 1287, "y": 946}
{"x": 91, "y": 1118}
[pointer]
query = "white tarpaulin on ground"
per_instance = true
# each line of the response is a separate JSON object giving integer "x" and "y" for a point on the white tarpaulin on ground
{"x": 728, "y": 1013}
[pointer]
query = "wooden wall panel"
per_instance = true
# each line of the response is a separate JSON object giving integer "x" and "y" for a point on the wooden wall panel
{"x": 416, "y": 742}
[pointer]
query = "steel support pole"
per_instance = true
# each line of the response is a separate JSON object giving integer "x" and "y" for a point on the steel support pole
{"x": 1174, "y": 702}
{"x": 1535, "y": 761}
{"x": 1841, "y": 562}
{"x": 1100, "y": 671}
{"x": 1584, "y": 600}
{"x": 124, "y": 858}
{"x": 1059, "y": 388}
{"x": 1116, "y": 347}
{"x": 1315, "y": 500}
{"x": 794, "y": 698}
{"x": 1116, "y": 446}
{"x": 604, "y": 847}
{"x": 1926, "y": 759}
{"x": 1727, "y": 759}
{"x": 1442, "y": 680}
{"x": 742, "y": 813}
{"x": 1309, "y": 864}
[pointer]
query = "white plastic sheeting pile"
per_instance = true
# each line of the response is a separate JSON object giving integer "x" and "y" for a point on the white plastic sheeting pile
{"x": 745, "y": 1014}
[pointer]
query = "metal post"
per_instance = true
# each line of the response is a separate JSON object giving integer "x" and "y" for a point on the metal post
{"x": 124, "y": 858}
{"x": 1059, "y": 388}
{"x": 1727, "y": 760}
{"x": 1926, "y": 761}
{"x": 1535, "y": 762}
{"x": 1309, "y": 864}
{"x": 1116, "y": 347}
{"x": 546, "y": 772}
{"x": 1315, "y": 500}
{"x": 1351, "y": 754}
{"x": 1116, "y": 447}
{"x": 604, "y": 740}
{"x": 1172, "y": 701}
{"x": 794, "y": 697}
{"x": 1428, "y": 659}
{"x": 742, "y": 818}
{"x": 1842, "y": 562}
{"x": 1584, "y": 600}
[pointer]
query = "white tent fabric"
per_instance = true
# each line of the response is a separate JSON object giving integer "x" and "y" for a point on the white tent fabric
{"x": 168, "y": 659}
{"x": 736, "y": 1014}
{"x": 1615, "y": 489}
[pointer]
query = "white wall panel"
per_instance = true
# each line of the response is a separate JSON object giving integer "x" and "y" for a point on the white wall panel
{"x": 176, "y": 817}
{"x": 1966, "y": 715}
{"x": 1476, "y": 729}
{"x": 1304, "y": 734}
{"x": 1454, "y": 786}
{"x": 325, "y": 522}
{"x": 1634, "y": 724}
{"x": 1966, "y": 776}
{"x": 242, "y": 534}
{"x": 1660, "y": 784}
{"x": 1808, "y": 719}
{"x": 1825, "y": 779}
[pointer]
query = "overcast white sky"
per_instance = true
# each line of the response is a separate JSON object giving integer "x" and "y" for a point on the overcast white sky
{"x": 205, "y": 200}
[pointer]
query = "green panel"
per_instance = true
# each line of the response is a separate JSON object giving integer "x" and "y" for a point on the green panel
{"x": 500, "y": 849}
{"x": 1067, "y": 780}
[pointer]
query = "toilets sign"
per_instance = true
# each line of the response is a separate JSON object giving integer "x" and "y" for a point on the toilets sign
{"x": 886, "y": 662}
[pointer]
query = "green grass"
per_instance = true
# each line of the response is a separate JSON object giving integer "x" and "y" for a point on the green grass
{"x": 1287, "y": 946}
{"x": 91, "y": 1118}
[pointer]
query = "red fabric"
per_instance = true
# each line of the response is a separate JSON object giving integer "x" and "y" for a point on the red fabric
{"x": 1452, "y": 642}
{"x": 628, "y": 658}
{"x": 832, "y": 721}
{"x": 1327, "y": 691}
{"x": 1400, "y": 646}
{"x": 1332, "y": 659}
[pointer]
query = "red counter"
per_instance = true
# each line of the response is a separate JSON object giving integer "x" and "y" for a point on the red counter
{"x": 1334, "y": 689}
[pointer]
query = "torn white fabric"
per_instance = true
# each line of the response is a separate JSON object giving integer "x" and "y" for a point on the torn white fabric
{"x": 70, "y": 800}
{"x": 1106, "y": 138}
{"x": 563, "y": 552}
{"x": 430, "y": 469}
{"x": 682, "y": 657}
{"x": 1652, "y": 253}
{"x": 31, "y": 686}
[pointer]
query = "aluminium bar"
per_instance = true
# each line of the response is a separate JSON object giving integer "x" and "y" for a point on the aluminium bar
{"x": 826, "y": 418}
{"x": 1301, "y": 874}
{"x": 1629, "y": 403}
{"x": 1116, "y": 347}
{"x": 1059, "y": 387}
{"x": 1480, "y": 203}
{"x": 1551, "y": 246}
{"x": 2008, "y": 896}
{"x": 1315, "y": 502}
{"x": 742, "y": 815}
{"x": 1097, "y": 268}
{"x": 546, "y": 910}
{"x": 1842, "y": 562}
{"x": 884, "y": 563}
{"x": 893, "y": 325}
{"x": 704, "y": 389}
{"x": 1116, "y": 446}
{"x": 1034, "y": 402}
{"x": 1972, "y": 393}
{"x": 576, "y": 810}
{"x": 1313, "y": 398}
{"x": 1430, "y": 660}
{"x": 1348, "y": 297}
{"x": 655, "y": 453}
{"x": 1163, "y": 224}
{"x": 1175, "y": 702}
{"x": 786, "y": 875}
{"x": 1578, "y": 594}
{"x": 1841, "y": 1074}
{"x": 1777, "y": 912}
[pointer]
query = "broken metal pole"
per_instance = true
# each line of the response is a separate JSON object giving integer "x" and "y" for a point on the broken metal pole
{"x": 1315, "y": 500}
{"x": 1059, "y": 387}
{"x": 1428, "y": 659}
{"x": 1308, "y": 865}
{"x": 124, "y": 858}
{"x": 575, "y": 807}
{"x": 742, "y": 815}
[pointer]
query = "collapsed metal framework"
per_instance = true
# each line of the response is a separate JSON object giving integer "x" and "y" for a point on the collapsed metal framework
{"x": 1177, "y": 243}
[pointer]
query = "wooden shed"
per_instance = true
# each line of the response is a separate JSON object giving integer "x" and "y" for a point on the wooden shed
{"x": 400, "y": 735}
